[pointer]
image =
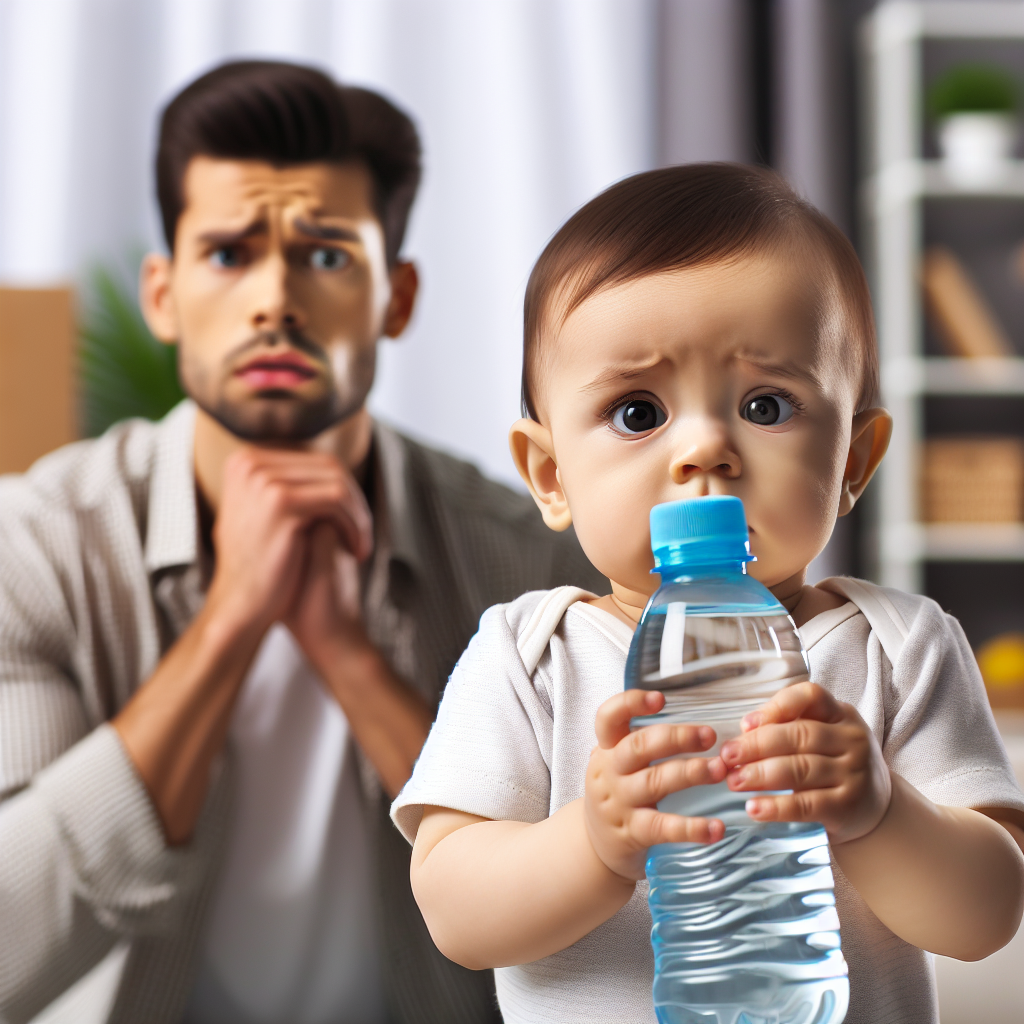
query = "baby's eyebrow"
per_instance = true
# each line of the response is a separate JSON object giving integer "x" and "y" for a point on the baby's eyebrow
{"x": 780, "y": 369}
{"x": 615, "y": 374}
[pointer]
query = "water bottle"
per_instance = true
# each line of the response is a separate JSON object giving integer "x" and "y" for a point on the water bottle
{"x": 745, "y": 930}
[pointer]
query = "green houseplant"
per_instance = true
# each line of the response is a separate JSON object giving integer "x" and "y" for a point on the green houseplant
{"x": 124, "y": 371}
{"x": 975, "y": 107}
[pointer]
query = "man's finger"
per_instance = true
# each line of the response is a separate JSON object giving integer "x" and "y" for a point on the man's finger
{"x": 612, "y": 721}
{"x": 348, "y": 512}
{"x": 655, "y": 742}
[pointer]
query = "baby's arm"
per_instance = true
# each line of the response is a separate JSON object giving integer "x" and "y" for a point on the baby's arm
{"x": 947, "y": 879}
{"x": 495, "y": 893}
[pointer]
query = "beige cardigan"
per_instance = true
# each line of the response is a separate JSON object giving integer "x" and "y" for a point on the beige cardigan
{"x": 100, "y": 571}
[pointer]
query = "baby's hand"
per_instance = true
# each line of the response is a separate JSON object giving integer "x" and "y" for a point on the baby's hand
{"x": 623, "y": 787}
{"x": 807, "y": 741}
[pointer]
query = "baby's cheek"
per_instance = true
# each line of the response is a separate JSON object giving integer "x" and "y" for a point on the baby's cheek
{"x": 790, "y": 537}
{"x": 614, "y": 533}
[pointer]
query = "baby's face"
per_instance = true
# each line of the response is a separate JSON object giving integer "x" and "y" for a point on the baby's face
{"x": 713, "y": 380}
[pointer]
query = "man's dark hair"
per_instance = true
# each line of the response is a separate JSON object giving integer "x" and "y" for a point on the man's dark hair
{"x": 689, "y": 216}
{"x": 288, "y": 114}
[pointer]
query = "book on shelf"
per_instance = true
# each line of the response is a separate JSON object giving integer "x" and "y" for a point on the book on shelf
{"x": 963, "y": 319}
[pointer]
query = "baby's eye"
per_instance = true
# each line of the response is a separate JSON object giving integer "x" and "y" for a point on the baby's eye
{"x": 767, "y": 410}
{"x": 638, "y": 416}
{"x": 329, "y": 259}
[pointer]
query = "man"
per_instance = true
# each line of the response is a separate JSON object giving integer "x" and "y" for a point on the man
{"x": 223, "y": 637}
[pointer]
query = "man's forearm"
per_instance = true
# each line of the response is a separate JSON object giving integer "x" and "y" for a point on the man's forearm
{"x": 388, "y": 720}
{"x": 947, "y": 879}
{"x": 497, "y": 893}
{"x": 176, "y": 723}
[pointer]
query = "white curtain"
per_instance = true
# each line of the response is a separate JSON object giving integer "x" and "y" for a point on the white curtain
{"x": 527, "y": 108}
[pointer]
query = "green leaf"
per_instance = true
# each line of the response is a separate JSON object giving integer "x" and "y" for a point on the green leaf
{"x": 124, "y": 371}
{"x": 973, "y": 88}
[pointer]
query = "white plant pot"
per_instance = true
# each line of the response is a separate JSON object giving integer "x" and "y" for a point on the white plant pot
{"x": 977, "y": 148}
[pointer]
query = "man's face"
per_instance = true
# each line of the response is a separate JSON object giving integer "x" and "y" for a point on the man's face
{"x": 711, "y": 380}
{"x": 277, "y": 293}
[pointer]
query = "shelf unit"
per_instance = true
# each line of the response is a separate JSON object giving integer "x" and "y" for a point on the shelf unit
{"x": 898, "y": 182}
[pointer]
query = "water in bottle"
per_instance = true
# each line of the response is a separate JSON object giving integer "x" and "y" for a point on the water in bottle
{"x": 745, "y": 930}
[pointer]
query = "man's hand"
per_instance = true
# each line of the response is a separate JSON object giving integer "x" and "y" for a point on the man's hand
{"x": 388, "y": 719}
{"x": 326, "y": 615}
{"x": 175, "y": 725}
{"x": 271, "y": 501}
{"x": 806, "y": 741}
{"x": 623, "y": 787}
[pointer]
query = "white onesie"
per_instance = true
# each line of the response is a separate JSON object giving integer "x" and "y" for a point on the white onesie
{"x": 516, "y": 726}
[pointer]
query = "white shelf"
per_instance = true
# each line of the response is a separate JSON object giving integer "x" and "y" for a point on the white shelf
{"x": 898, "y": 182}
{"x": 912, "y": 376}
{"x": 896, "y": 23}
{"x": 953, "y": 542}
{"x": 906, "y": 181}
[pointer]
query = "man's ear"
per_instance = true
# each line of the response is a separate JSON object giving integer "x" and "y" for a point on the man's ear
{"x": 534, "y": 456}
{"x": 405, "y": 283}
{"x": 869, "y": 439}
{"x": 155, "y": 297}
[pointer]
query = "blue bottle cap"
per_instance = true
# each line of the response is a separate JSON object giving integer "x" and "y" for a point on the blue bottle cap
{"x": 700, "y": 531}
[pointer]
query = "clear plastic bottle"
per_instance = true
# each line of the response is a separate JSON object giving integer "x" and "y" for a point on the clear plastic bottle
{"x": 745, "y": 931}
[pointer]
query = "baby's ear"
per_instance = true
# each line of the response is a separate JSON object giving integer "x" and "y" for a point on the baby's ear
{"x": 869, "y": 439}
{"x": 534, "y": 455}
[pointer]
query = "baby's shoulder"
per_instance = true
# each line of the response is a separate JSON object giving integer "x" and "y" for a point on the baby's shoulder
{"x": 894, "y": 616}
{"x": 521, "y": 630}
{"x": 533, "y": 618}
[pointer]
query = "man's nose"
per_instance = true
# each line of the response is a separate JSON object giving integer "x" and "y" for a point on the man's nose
{"x": 705, "y": 449}
{"x": 274, "y": 305}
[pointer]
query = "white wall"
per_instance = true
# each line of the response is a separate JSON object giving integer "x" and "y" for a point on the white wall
{"x": 527, "y": 109}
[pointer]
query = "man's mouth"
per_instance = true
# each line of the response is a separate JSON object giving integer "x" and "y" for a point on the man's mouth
{"x": 266, "y": 372}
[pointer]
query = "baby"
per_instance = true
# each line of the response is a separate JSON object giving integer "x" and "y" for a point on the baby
{"x": 700, "y": 330}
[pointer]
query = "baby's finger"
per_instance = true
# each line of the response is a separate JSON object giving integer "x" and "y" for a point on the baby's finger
{"x": 612, "y": 721}
{"x": 801, "y": 700}
{"x": 652, "y": 827}
{"x": 804, "y": 736}
{"x": 808, "y": 805}
{"x": 645, "y": 788}
{"x": 798, "y": 772}
{"x": 639, "y": 748}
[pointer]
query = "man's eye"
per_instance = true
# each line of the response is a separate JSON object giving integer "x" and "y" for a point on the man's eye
{"x": 329, "y": 259}
{"x": 638, "y": 416}
{"x": 767, "y": 410}
{"x": 227, "y": 256}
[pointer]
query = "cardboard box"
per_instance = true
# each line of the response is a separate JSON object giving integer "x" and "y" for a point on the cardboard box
{"x": 973, "y": 480}
{"x": 37, "y": 374}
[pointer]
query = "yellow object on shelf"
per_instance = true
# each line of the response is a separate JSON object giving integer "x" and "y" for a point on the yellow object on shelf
{"x": 1001, "y": 661}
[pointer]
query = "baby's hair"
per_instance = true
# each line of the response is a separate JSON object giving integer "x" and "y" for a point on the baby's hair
{"x": 688, "y": 216}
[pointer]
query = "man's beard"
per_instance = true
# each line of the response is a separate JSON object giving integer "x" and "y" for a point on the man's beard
{"x": 279, "y": 415}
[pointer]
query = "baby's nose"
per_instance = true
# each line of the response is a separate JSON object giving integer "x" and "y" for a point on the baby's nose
{"x": 709, "y": 452}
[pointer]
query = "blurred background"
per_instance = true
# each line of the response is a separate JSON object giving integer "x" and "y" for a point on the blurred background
{"x": 901, "y": 121}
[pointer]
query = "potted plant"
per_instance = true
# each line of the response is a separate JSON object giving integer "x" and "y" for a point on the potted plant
{"x": 975, "y": 109}
{"x": 124, "y": 371}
